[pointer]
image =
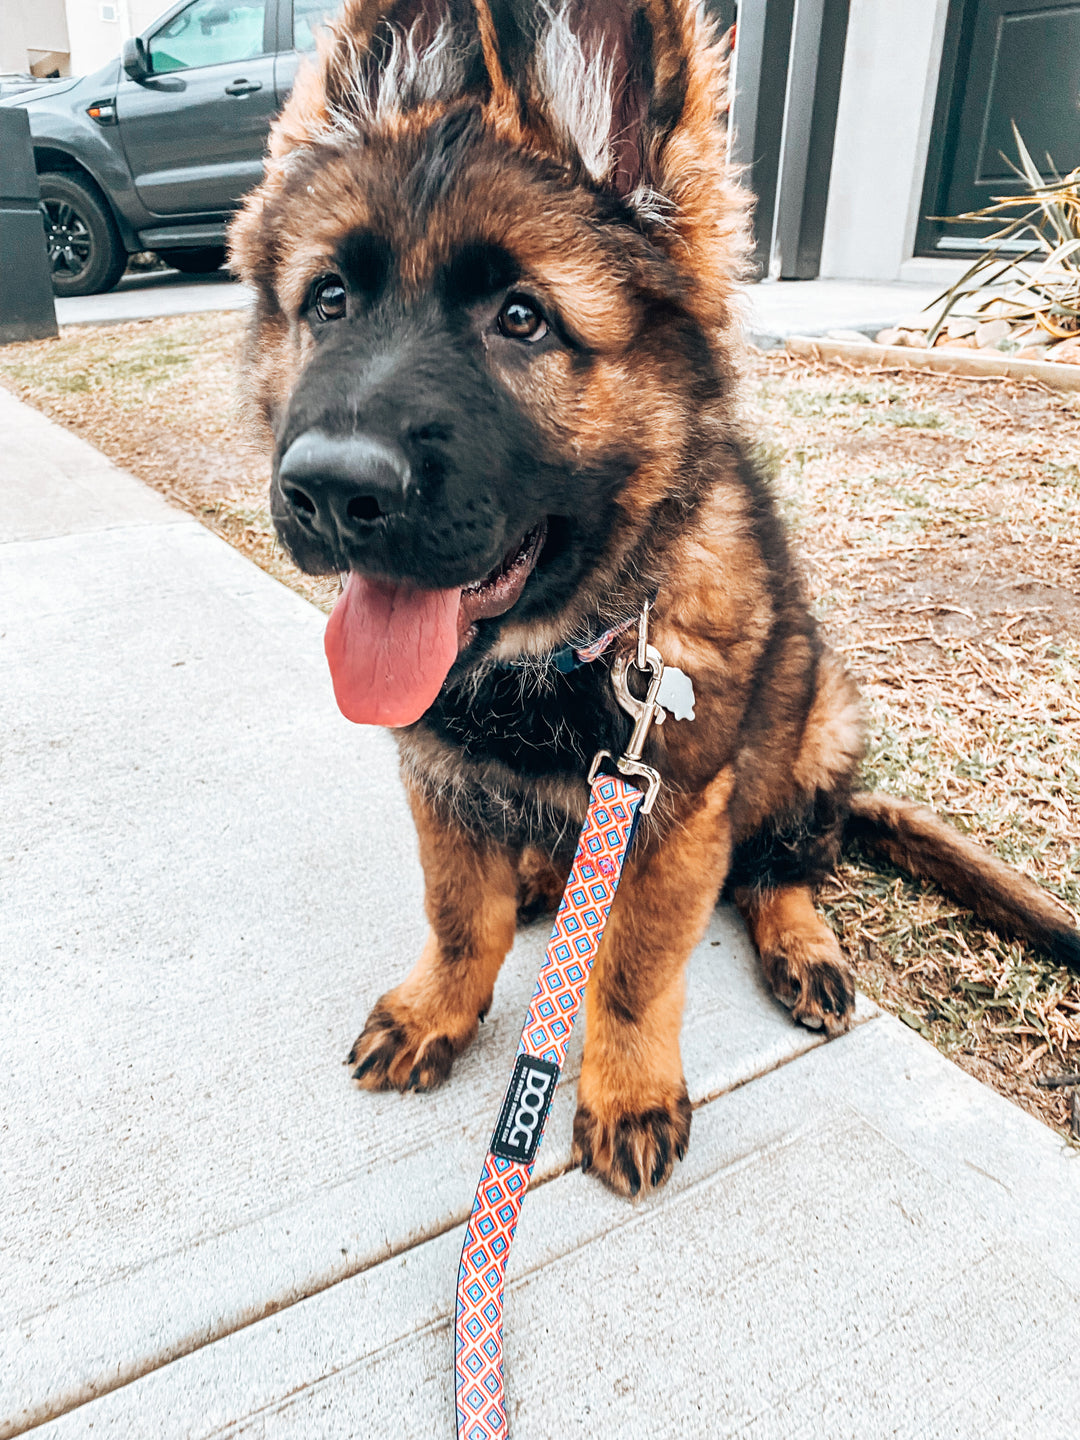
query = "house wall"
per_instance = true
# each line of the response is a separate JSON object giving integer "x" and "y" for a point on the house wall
{"x": 27, "y": 26}
{"x": 95, "y": 40}
{"x": 887, "y": 95}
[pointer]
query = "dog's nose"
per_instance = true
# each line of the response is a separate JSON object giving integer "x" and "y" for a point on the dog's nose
{"x": 342, "y": 485}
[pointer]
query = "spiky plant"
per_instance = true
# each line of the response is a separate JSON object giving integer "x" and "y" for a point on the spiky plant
{"x": 1041, "y": 286}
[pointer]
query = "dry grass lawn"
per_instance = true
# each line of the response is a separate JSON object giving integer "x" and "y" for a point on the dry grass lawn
{"x": 940, "y": 524}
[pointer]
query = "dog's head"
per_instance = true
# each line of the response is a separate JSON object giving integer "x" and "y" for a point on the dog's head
{"x": 493, "y": 255}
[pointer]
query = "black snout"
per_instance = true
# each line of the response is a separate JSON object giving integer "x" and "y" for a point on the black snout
{"x": 340, "y": 487}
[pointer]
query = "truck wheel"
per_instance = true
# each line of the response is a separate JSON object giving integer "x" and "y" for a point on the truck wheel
{"x": 194, "y": 262}
{"x": 85, "y": 250}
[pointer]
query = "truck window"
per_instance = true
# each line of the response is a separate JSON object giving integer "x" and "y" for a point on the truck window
{"x": 308, "y": 15}
{"x": 208, "y": 32}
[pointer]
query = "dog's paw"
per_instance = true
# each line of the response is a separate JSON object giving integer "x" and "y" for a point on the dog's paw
{"x": 630, "y": 1152}
{"x": 398, "y": 1050}
{"x": 812, "y": 980}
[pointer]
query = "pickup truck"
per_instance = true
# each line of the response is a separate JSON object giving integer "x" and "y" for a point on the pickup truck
{"x": 154, "y": 151}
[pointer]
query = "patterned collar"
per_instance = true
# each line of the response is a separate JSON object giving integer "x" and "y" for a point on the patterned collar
{"x": 571, "y": 658}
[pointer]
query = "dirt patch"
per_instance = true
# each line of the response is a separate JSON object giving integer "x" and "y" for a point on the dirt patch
{"x": 946, "y": 567}
{"x": 162, "y": 399}
{"x": 939, "y": 519}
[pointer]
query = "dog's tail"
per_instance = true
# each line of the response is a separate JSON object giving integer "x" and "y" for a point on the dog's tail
{"x": 920, "y": 842}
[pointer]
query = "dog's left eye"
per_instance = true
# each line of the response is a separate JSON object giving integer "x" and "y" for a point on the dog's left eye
{"x": 328, "y": 298}
{"x": 519, "y": 319}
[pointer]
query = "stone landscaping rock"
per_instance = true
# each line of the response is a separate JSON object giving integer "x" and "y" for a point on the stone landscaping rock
{"x": 991, "y": 332}
{"x": 1023, "y": 340}
{"x": 916, "y": 339}
{"x": 1067, "y": 352}
{"x": 1033, "y": 337}
{"x": 955, "y": 342}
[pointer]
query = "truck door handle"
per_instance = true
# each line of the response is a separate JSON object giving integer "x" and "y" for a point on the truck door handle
{"x": 243, "y": 87}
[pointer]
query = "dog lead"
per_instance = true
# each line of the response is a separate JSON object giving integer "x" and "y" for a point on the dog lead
{"x": 615, "y": 803}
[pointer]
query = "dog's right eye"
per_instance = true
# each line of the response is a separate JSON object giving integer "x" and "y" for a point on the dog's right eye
{"x": 519, "y": 319}
{"x": 328, "y": 298}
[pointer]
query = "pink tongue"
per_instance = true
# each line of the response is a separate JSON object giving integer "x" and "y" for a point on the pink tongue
{"x": 390, "y": 648}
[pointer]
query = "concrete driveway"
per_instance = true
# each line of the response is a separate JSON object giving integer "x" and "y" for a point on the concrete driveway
{"x": 153, "y": 294}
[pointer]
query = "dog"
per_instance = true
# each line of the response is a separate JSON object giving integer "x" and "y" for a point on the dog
{"x": 494, "y": 351}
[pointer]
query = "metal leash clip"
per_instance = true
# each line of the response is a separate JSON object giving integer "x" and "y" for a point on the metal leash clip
{"x": 645, "y": 713}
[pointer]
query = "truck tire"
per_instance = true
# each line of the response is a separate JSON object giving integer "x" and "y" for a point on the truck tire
{"x": 194, "y": 262}
{"x": 85, "y": 250}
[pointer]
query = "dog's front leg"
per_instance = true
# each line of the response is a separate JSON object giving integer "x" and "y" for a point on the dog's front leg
{"x": 416, "y": 1029}
{"x": 633, "y": 1118}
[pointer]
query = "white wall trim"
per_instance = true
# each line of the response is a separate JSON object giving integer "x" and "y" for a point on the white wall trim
{"x": 887, "y": 96}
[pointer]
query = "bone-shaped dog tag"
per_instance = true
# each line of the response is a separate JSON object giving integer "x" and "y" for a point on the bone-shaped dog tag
{"x": 676, "y": 693}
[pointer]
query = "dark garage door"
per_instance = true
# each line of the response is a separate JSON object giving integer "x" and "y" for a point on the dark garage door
{"x": 1004, "y": 60}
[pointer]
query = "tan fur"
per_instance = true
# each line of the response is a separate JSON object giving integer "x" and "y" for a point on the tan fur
{"x": 832, "y": 741}
{"x": 633, "y": 1117}
{"x": 709, "y": 211}
{"x": 801, "y": 957}
{"x": 540, "y": 884}
{"x": 501, "y": 111}
{"x": 415, "y": 1030}
{"x": 919, "y": 841}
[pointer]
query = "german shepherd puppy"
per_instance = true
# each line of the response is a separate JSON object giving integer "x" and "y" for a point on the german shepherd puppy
{"x": 495, "y": 257}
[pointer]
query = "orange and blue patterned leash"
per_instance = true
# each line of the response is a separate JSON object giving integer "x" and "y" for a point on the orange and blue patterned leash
{"x": 560, "y": 988}
{"x": 610, "y": 820}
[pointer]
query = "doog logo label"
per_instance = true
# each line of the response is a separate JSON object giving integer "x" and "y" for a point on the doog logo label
{"x": 521, "y": 1120}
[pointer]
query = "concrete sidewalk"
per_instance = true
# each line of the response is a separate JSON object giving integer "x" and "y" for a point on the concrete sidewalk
{"x": 208, "y": 878}
{"x": 773, "y": 309}
{"x": 776, "y": 309}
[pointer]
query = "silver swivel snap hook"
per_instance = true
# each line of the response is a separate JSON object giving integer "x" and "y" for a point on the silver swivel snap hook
{"x": 645, "y": 713}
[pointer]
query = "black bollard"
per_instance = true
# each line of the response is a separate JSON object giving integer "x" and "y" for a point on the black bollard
{"x": 27, "y": 311}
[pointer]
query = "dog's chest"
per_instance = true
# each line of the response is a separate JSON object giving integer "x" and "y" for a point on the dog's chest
{"x": 536, "y": 724}
{"x": 511, "y": 754}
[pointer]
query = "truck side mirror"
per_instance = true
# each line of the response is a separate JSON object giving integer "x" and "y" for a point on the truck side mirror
{"x": 135, "y": 60}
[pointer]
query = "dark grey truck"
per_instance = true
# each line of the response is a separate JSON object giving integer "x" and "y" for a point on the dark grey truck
{"x": 155, "y": 150}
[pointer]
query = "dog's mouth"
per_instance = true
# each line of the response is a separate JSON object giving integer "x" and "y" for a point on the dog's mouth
{"x": 501, "y": 587}
{"x": 391, "y": 645}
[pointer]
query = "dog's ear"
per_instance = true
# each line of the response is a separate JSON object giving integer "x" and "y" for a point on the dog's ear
{"x": 377, "y": 61}
{"x": 633, "y": 89}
